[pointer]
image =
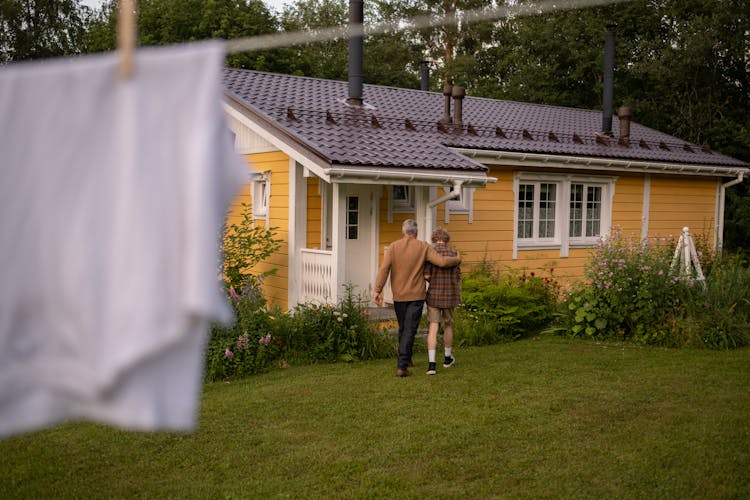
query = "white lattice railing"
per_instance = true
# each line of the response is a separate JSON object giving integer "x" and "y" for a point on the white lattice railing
{"x": 317, "y": 277}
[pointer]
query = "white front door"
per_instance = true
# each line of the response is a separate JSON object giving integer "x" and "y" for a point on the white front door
{"x": 360, "y": 231}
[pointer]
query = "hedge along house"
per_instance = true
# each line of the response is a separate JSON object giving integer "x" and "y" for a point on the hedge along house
{"x": 337, "y": 166}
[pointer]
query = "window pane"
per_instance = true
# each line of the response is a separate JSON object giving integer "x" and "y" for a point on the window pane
{"x": 576, "y": 209}
{"x": 525, "y": 210}
{"x": 593, "y": 210}
{"x": 352, "y": 217}
{"x": 547, "y": 201}
{"x": 524, "y": 229}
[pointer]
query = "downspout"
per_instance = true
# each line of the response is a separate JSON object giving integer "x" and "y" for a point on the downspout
{"x": 454, "y": 193}
{"x": 719, "y": 234}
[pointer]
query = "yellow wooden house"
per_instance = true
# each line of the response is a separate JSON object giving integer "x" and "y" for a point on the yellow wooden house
{"x": 523, "y": 185}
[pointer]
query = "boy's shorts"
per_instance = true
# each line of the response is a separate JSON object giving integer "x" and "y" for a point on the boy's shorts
{"x": 437, "y": 315}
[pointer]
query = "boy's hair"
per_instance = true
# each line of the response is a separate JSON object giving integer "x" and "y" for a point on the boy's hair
{"x": 440, "y": 234}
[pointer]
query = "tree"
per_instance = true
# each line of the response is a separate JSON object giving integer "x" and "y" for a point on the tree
{"x": 35, "y": 29}
{"x": 389, "y": 58}
{"x": 455, "y": 45}
{"x": 162, "y": 22}
{"x": 327, "y": 59}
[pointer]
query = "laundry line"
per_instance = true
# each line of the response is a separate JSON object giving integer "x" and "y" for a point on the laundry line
{"x": 286, "y": 39}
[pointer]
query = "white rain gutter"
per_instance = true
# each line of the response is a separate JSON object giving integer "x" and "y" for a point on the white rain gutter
{"x": 719, "y": 233}
{"x": 511, "y": 158}
{"x": 411, "y": 177}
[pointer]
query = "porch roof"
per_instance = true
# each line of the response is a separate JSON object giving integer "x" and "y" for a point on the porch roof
{"x": 399, "y": 128}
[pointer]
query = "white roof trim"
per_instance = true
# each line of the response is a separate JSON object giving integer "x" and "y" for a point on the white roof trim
{"x": 289, "y": 147}
{"x": 412, "y": 177}
{"x": 594, "y": 163}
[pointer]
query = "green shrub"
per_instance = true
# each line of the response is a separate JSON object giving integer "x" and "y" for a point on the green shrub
{"x": 327, "y": 333}
{"x": 244, "y": 246}
{"x": 499, "y": 307}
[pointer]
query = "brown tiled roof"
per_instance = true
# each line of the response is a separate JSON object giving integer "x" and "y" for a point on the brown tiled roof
{"x": 399, "y": 127}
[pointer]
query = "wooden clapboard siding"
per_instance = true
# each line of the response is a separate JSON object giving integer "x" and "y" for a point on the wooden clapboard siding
{"x": 548, "y": 263}
{"x": 314, "y": 214}
{"x": 682, "y": 201}
{"x": 277, "y": 163}
{"x": 234, "y": 214}
{"x": 627, "y": 206}
{"x": 490, "y": 235}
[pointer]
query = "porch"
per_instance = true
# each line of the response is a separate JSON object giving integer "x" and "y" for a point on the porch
{"x": 317, "y": 283}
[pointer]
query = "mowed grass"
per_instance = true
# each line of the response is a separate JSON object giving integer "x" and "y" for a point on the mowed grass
{"x": 540, "y": 418}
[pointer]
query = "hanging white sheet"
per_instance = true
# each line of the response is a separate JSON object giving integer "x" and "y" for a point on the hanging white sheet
{"x": 112, "y": 198}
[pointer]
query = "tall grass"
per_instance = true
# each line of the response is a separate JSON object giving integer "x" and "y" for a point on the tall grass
{"x": 544, "y": 417}
{"x": 718, "y": 314}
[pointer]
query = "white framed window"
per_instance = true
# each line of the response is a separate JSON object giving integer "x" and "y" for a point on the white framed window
{"x": 463, "y": 205}
{"x": 537, "y": 212}
{"x": 561, "y": 210}
{"x": 402, "y": 199}
{"x": 352, "y": 217}
{"x": 261, "y": 193}
{"x": 585, "y": 212}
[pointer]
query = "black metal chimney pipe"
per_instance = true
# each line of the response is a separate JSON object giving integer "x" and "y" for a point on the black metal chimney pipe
{"x": 609, "y": 76}
{"x": 424, "y": 67}
{"x": 356, "y": 18}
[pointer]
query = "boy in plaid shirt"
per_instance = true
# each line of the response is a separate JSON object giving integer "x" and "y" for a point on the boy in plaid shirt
{"x": 443, "y": 294}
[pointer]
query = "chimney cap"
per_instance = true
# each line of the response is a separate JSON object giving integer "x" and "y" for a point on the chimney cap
{"x": 624, "y": 111}
{"x": 447, "y": 89}
{"x": 458, "y": 92}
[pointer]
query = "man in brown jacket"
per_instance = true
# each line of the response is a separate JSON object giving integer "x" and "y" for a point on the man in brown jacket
{"x": 404, "y": 261}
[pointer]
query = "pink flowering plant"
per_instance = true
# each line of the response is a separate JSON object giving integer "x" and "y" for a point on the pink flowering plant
{"x": 630, "y": 292}
{"x": 250, "y": 345}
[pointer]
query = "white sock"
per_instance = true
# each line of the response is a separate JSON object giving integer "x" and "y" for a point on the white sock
{"x": 448, "y": 352}
{"x": 431, "y": 355}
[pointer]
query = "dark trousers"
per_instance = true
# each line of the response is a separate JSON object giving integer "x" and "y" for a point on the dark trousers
{"x": 408, "y": 315}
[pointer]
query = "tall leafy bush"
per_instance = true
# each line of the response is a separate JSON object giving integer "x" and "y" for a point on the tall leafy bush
{"x": 328, "y": 333}
{"x": 498, "y": 306}
{"x": 244, "y": 246}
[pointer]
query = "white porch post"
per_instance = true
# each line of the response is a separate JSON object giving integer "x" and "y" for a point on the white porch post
{"x": 421, "y": 200}
{"x": 338, "y": 235}
{"x": 297, "y": 229}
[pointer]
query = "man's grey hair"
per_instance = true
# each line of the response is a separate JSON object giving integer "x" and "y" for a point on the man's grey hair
{"x": 409, "y": 226}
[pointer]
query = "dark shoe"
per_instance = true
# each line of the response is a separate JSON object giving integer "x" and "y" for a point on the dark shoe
{"x": 431, "y": 369}
{"x": 449, "y": 361}
{"x": 402, "y": 373}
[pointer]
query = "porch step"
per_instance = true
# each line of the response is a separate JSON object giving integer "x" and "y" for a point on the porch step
{"x": 387, "y": 314}
{"x": 381, "y": 313}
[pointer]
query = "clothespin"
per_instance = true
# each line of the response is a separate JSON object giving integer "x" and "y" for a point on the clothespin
{"x": 126, "y": 38}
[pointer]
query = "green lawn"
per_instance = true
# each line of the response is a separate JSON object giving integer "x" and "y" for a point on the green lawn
{"x": 547, "y": 417}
